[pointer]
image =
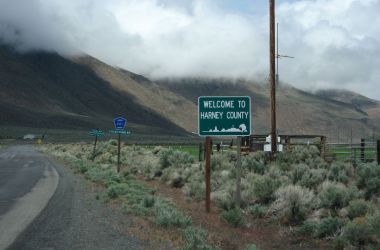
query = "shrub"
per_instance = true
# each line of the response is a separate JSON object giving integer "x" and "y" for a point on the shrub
{"x": 83, "y": 168}
{"x": 251, "y": 247}
{"x": 340, "y": 243}
{"x": 164, "y": 157}
{"x": 179, "y": 159}
{"x": 369, "y": 179}
{"x": 298, "y": 171}
{"x": 339, "y": 171}
{"x": 117, "y": 189}
{"x": 374, "y": 222}
{"x": 333, "y": 196}
{"x": 357, "y": 208}
{"x": 168, "y": 216}
{"x": 309, "y": 228}
{"x": 257, "y": 210}
{"x": 113, "y": 142}
{"x": 234, "y": 217}
{"x": 329, "y": 226}
{"x": 357, "y": 232}
{"x": 195, "y": 238}
{"x": 292, "y": 203}
{"x": 313, "y": 178}
{"x": 251, "y": 164}
{"x": 148, "y": 201}
{"x": 264, "y": 188}
{"x": 102, "y": 175}
{"x": 223, "y": 199}
{"x": 195, "y": 189}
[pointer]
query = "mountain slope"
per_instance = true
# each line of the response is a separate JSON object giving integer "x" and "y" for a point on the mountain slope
{"x": 41, "y": 89}
{"x": 298, "y": 112}
{"x": 46, "y": 90}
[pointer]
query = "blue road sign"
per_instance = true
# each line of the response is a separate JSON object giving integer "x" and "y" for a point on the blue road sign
{"x": 120, "y": 123}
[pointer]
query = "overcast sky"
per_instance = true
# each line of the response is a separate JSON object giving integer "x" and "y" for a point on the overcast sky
{"x": 336, "y": 43}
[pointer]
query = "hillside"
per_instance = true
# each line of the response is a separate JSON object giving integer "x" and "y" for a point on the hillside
{"x": 299, "y": 112}
{"x": 46, "y": 90}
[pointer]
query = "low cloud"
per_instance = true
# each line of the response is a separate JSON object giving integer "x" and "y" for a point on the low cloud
{"x": 335, "y": 42}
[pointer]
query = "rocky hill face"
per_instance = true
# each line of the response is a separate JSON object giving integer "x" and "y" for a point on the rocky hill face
{"x": 46, "y": 90}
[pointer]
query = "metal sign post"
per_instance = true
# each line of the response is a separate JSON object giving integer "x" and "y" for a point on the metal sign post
{"x": 118, "y": 154}
{"x": 97, "y": 133}
{"x": 223, "y": 116}
{"x": 120, "y": 123}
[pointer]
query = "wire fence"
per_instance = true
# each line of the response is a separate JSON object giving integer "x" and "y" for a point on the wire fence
{"x": 365, "y": 151}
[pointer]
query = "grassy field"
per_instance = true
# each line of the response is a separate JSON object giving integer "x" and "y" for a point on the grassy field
{"x": 346, "y": 153}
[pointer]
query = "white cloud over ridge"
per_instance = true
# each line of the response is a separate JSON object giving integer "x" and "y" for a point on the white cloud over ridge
{"x": 335, "y": 42}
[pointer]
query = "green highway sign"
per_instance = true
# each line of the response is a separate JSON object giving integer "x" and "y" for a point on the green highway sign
{"x": 123, "y": 132}
{"x": 224, "y": 115}
{"x": 95, "y": 132}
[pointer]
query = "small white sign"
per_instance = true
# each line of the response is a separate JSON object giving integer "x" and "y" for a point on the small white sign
{"x": 269, "y": 139}
{"x": 268, "y": 147}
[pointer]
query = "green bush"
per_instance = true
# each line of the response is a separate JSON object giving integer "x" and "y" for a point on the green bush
{"x": 113, "y": 142}
{"x": 357, "y": 208}
{"x": 313, "y": 178}
{"x": 340, "y": 172}
{"x": 251, "y": 164}
{"x": 117, "y": 189}
{"x": 333, "y": 196}
{"x": 329, "y": 226}
{"x": 234, "y": 217}
{"x": 179, "y": 159}
{"x": 164, "y": 155}
{"x": 168, "y": 216}
{"x": 195, "y": 238}
{"x": 292, "y": 204}
{"x": 374, "y": 222}
{"x": 340, "y": 243}
{"x": 195, "y": 189}
{"x": 298, "y": 172}
{"x": 251, "y": 247}
{"x": 258, "y": 211}
{"x": 264, "y": 188}
{"x": 369, "y": 179}
{"x": 148, "y": 201}
{"x": 357, "y": 232}
{"x": 308, "y": 229}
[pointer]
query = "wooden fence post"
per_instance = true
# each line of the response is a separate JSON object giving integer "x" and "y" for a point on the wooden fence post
{"x": 362, "y": 150}
{"x": 200, "y": 151}
{"x": 323, "y": 147}
{"x": 287, "y": 144}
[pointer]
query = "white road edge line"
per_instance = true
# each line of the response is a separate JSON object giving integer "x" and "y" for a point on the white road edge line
{"x": 28, "y": 207}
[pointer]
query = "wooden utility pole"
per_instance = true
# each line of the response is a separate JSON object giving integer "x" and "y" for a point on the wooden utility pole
{"x": 272, "y": 75}
{"x": 238, "y": 173}
{"x": 208, "y": 150}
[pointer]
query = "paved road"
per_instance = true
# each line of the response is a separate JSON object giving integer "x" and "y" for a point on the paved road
{"x": 72, "y": 218}
{"x": 27, "y": 182}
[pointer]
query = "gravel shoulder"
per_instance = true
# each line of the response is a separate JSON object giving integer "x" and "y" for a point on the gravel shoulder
{"x": 74, "y": 219}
